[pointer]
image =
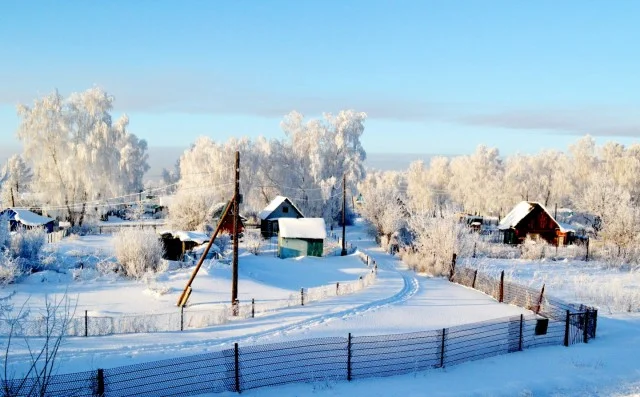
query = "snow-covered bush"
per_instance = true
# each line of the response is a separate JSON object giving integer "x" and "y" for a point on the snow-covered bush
{"x": 534, "y": 249}
{"x": 189, "y": 210}
{"x": 26, "y": 244}
{"x": 223, "y": 241}
{"x": 253, "y": 240}
{"x": 9, "y": 268}
{"x": 437, "y": 239}
{"x": 138, "y": 251}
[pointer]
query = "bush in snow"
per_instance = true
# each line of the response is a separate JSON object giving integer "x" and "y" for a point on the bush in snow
{"x": 26, "y": 245}
{"x": 223, "y": 241}
{"x": 535, "y": 249}
{"x": 437, "y": 239}
{"x": 252, "y": 240}
{"x": 138, "y": 251}
{"x": 9, "y": 268}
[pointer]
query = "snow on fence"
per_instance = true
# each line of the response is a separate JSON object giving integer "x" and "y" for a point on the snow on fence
{"x": 314, "y": 361}
{"x": 97, "y": 324}
{"x": 57, "y": 236}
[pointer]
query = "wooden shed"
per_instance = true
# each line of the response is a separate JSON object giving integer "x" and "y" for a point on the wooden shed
{"x": 216, "y": 212}
{"x": 178, "y": 243}
{"x": 531, "y": 219}
{"x": 301, "y": 237}
{"x": 279, "y": 207}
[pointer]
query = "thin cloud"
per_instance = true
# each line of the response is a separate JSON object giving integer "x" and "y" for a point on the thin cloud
{"x": 593, "y": 121}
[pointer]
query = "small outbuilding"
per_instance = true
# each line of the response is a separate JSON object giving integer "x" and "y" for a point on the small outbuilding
{"x": 178, "y": 243}
{"x": 280, "y": 207}
{"x": 22, "y": 218}
{"x": 531, "y": 219}
{"x": 301, "y": 237}
{"x": 217, "y": 210}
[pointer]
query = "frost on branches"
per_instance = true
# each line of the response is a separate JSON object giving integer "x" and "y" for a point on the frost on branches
{"x": 307, "y": 166}
{"x": 138, "y": 251}
{"x": 15, "y": 183}
{"x": 79, "y": 154}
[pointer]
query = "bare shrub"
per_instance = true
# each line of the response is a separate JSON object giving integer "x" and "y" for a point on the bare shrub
{"x": 26, "y": 245}
{"x": 253, "y": 240}
{"x": 138, "y": 251}
{"x": 10, "y": 269}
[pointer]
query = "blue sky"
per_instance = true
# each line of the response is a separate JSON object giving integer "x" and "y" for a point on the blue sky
{"x": 433, "y": 76}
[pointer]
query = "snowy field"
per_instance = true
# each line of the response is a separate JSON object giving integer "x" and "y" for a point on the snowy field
{"x": 400, "y": 301}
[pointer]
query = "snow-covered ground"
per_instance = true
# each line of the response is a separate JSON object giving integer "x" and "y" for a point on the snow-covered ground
{"x": 398, "y": 302}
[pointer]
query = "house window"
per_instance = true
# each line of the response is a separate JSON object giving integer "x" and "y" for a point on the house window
{"x": 285, "y": 210}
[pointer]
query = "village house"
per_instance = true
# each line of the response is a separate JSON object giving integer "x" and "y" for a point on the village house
{"x": 22, "y": 218}
{"x": 301, "y": 237}
{"x": 279, "y": 207}
{"x": 531, "y": 219}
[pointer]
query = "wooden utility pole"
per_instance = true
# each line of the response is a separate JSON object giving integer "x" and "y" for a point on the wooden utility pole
{"x": 344, "y": 218}
{"x": 184, "y": 297}
{"x": 236, "y": 215}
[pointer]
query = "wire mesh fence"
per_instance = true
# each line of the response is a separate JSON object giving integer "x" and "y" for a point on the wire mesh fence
{"x": 95, "y": 324}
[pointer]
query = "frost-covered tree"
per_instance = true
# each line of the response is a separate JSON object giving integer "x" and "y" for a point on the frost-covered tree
{"x": 79, "y": 155}
{"x": 383, "y": 207}
{"x": 16, "y": 181}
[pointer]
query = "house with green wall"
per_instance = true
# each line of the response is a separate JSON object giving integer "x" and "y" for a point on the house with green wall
{"x": 301, "y": 237}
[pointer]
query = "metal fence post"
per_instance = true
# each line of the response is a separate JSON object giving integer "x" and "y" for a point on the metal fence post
{"x": 237, "y": 366}
{"x": 100, "y": 383}
{"x": 566, "y": 330}
{"x": 475, "y": 274}
{"x": 301, "y": 296}
{"x": 521, "y": 326}
{"x": 540, "y": 300}
{"x": 86, "y": 323}
{"x": 501, "y": 287}
{"x": 253, "y": 308}
{"x": 337, "y": 288}
{"x": 453, "y": 267}
{"x": 444, "y": 335}
{"x": 586, "y": 324}
{"x": 181, "y": 318}
{"x": 349, "y": 358}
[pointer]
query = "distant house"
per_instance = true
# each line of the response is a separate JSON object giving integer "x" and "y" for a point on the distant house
{"x": 178, "y": 243}
{"x": 279, "y": 207}
{"x": 301, "y": 237}
{"x": 216, "y": 212}
{"x": 530, "y": 219}
{"x": 21, "y": 218}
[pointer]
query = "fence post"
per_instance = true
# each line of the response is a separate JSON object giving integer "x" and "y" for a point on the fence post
{"x": 349, "y": 358}
{"x": 253, "y": 308}
{"x": 444, "y": 335}
{"x": 86, "y": 324}
{"x": 337, "y": 288}
{"x": 181, "y": 318}
{"x": 453, "y": 267}
{"x": 475, "y": 274}
{"x": 237, "y": 366}
{"x": 474, "y": 250}
{"x": 301, "y": 296}
{"x": 566, "y": 330}
{"x": 521, "y": 326}
{"x": 586, "y": 259}
{"x": 540, "y": 300}
{"x": 586, "y": 324}
{"x": 595, "y": 322}
{"x": 100, "y": 383}
{"x": 501, "y": 287}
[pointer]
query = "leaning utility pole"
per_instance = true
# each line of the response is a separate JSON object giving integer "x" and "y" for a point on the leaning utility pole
{"x": 344, "y": 204}
{"x": 236, "y": 215}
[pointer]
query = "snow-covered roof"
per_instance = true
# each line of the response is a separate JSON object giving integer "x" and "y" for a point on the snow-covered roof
{"x": 182, "y": 235}
{"x": 274, "y": 204}
{"x": 302, "y": 228}
{"x": 524, "y": 208}
{"x": 29, "y": 218}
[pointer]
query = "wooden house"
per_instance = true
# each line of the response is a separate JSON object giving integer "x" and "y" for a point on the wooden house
{"x": 301, "y": 237}
{"x": 216, "y": 212}
{"x": 279, "y": 207}
{"x": 22, "y": 218}
{"x": 531, "y": 219}
{"x": 178, "y": 243}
